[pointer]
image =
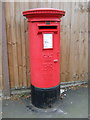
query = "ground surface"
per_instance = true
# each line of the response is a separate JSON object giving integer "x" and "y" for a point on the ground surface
{"x": 73, "y": 105}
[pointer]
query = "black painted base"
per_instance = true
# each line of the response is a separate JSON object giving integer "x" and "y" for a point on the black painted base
{"x": 43, "y": 98}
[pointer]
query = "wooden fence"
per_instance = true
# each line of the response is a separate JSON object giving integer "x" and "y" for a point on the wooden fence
{"x": 74, "y": 41}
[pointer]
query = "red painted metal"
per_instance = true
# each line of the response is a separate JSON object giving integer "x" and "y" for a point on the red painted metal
{"x": 44, "y": 62}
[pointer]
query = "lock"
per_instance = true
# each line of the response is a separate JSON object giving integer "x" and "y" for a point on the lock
{"x": 47, "y": 22}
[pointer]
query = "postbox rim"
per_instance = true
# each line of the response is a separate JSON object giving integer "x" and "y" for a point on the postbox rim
{"x": 43, "y": 11}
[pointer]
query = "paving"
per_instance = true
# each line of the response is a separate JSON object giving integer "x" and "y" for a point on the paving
{"x": 74, "y": 104}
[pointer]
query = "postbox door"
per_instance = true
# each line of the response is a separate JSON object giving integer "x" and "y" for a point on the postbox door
{"x": 45, "y": 55}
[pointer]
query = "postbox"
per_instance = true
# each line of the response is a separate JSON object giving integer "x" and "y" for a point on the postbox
{"x": 44, "y": 37}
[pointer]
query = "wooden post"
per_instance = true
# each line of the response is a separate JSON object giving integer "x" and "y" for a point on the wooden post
{"x": 6, "y": 89}
{"x": 1, "y": 86}
{"x": 89, "y": 43}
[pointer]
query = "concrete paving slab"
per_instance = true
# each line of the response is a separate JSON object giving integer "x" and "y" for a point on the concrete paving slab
{"x": 74, "y": 104}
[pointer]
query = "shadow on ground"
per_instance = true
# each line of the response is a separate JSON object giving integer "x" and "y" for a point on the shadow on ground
{"x": 74, "y": 104}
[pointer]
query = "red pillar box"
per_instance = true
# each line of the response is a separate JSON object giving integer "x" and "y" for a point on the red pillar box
{"x": 44, "y": 36}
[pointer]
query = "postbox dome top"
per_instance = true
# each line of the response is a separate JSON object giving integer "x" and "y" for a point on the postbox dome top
{"x": 43, "y": 11}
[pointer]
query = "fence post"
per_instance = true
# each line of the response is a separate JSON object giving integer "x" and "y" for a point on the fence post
{"x": 5, "y": 72}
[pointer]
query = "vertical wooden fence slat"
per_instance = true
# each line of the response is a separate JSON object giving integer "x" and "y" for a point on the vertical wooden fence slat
{"x": 65, "y": 42}
{"x": 23, "y": 45}
{"x": 27, "y": 6}
{"x": 6, "y": 89}
{"x": 14, "y": 44}
{"x": 83, "y": 41}
{"x": 19, "y": 45}
{"x": 9, "y": 43}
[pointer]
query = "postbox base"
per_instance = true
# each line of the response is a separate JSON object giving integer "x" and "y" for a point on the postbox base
{"x": 44, "y": 98}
